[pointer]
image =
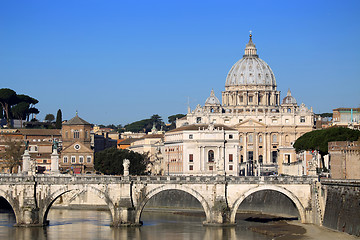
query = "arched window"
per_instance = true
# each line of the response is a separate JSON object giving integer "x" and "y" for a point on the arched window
{"x": 289, "y": 110}
{"x": 250, "y": 138}
{"x": 260, "y": 159}
{"x": 274, "y": 138}
{"x": 241, "y": 158}
{"x": 260, "y": 139}
{"x": 211, "y": 156}
{"x": 76, "y": 134}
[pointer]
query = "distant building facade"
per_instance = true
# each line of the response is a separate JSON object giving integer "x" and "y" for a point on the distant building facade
{"x": 347, "y": 117}
{"x": 77, "y": 155}
{"x": 344, "y": 159}
{"x": 267, "y": 127}
{"x": 201, "y": 149}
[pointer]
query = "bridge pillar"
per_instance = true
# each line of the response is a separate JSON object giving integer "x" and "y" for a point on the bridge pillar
{"x": 124, "y": 215}
{"x": 220, "y": 214}
{"x": 29, "y": 212}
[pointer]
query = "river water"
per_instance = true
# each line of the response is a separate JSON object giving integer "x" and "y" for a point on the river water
{"x": 91, "y": 224}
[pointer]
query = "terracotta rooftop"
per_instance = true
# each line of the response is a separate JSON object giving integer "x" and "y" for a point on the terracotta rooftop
{"x": 40, "y": 132}
{"x": 76, "y": 121}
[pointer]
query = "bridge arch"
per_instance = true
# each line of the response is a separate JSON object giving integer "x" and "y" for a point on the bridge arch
{"x": 282, "y": 190}
{"x": 153, "y": 192}
{"x": 12, "y": 203}
{"x": 56, "y": 194}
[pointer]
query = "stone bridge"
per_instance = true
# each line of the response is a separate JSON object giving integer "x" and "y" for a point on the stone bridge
{"x": 31, "y": 197}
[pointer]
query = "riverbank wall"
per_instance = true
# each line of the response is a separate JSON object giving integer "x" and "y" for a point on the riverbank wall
{"x": 342, "y": 208}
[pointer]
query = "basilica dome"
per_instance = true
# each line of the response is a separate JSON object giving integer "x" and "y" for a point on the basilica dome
{"x": 250, "y": 70}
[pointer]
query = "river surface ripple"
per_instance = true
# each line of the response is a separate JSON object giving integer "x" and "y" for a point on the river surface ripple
{"x": 91, "y": 224}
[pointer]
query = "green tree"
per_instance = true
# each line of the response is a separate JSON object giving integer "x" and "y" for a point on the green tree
{"x": 31, "y": 101}
{"x": 49, "y": 117}
{"x": 12, "y": 156}
{"x": 58, "y": 123}
{"x": 172, "y": 120}
{"x": 20, "y": 110}
{"x": 8, "y": 98}
{"x": 318, "y": 139}
{"x": 110, "y": 161}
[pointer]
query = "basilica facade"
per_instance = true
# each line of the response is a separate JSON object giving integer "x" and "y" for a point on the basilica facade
{"x": 267, "y": 126}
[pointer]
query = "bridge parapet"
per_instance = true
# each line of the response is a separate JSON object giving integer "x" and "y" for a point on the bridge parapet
{"x": 106, "y": 179}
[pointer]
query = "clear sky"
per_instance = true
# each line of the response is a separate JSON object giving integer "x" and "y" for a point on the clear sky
{"x": 123, "y": 61}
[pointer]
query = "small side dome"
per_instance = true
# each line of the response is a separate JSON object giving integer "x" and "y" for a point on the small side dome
{"x": 289, "y": 99}
{"x": 212, "y": 100}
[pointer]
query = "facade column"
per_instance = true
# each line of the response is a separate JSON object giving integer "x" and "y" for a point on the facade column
{"x": 245, "y": 152}
{"x": 204, "y": 159}
{"x": 256, "y": 157}
{"x": 269, "y": 148}
{"x": 265, "y": 159}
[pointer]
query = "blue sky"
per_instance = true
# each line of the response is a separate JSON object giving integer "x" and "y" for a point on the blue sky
{"x": 122, "y": 61}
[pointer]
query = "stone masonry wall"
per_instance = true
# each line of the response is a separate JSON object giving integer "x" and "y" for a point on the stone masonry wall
{"x": 342, "y": 210}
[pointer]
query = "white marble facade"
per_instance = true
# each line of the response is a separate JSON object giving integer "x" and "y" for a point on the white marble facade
{"x": 266, "y": 127}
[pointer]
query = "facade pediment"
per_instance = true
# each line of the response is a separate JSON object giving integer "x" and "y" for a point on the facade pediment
{"x": 76, "y": 147}
{"x": 250, "y": 123}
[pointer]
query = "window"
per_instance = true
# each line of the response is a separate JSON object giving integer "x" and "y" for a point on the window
{"x": 250, "y": 138}
{"x": 211, "y": 168}
{"x": 274, "y": 138}
{"x": 274, "y": 156}
{"x": 36, "y": 148}
{"x": 250, "y": 98}
{"x": 44, "y": 161}
{"x": 230, "y": 158}
{"x": 76, "y": 134}
{"x": 260, "y": 159}
{"x": 241, "y": 139}
{"x": 287, "y": 139}
{"x": 66, "y": 134}
{"x": 260, "y": 139}
{"x": 191, "y": 158}
{"x": 241, "y": 159}
{"x": 191, "y": 136}
{"x": 227, "y": 121}
{"x": 230, "y": 136}
{"x": 287, "y": 158}
{"x": 81, "y": 159}
{"x": 274, "y": 120}
{"x": 211, "y": 156}
{"x": 214, "y": 121}
{"x": 191, "y": 167}
{"x": 88, "y": 159}
{"x": 198, "y": 120}
{"x": 260, "y": 120}
{"x": 286, "y": 120}
{"x": 240, "y": 120}
{"x": 65, "y": 159}
{"x": 86, "y": 134}
{"x": 73, "y": 159}
{"x": 230, "y": 167}
{"x": 302, "y": 119}
{"x": 241, "y": 99}
{"x": 289, "y": 110}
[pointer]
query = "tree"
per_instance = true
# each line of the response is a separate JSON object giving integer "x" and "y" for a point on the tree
{"x": 110, "y": 161}
{"x": 20, "y": 111}
{"x": 49, "y": 117}
{"x": 31, "y": 101}
{"x": 172, "y": 120}
{"x": 318, "y": 139}
{"x": 58, "y": 123}
{"x": 8, "y": 98}
{"x": 12, "y": 156}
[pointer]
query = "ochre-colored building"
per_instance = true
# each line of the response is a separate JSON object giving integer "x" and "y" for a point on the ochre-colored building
{"x": 77, "y": 155}
{"x": 344, "y": 159}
